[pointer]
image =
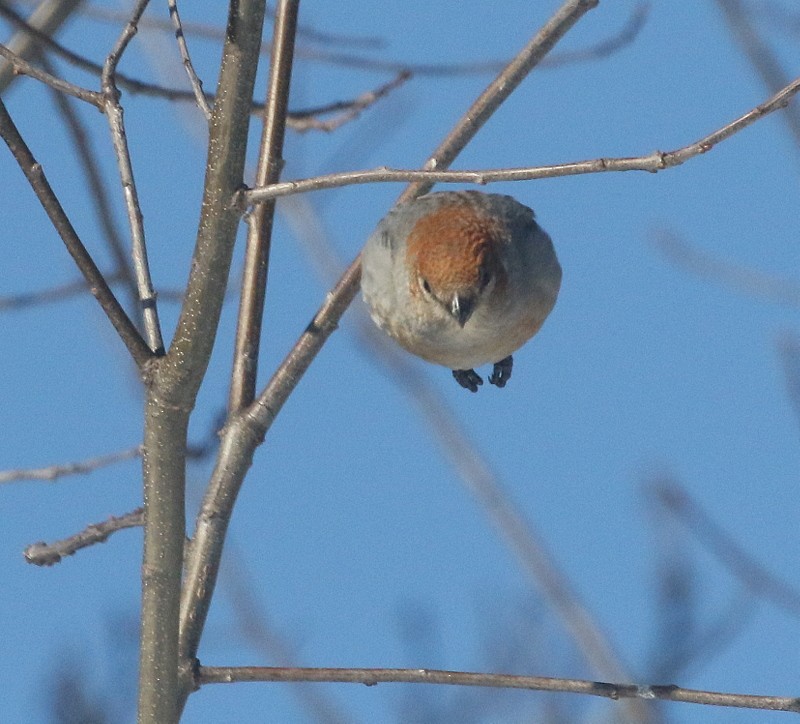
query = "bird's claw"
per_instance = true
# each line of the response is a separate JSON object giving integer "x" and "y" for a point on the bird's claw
{"x": 468, "y": 379}
{"x": 502, "y": 371}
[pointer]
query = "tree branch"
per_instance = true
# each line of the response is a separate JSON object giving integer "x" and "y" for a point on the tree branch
{"x": 22, "y": 66}
{"x": 259, "y": 222}
{"x": 626, "y": 35}
{"x": 751, "y": 573}
{"x": 102, "y": 292}
{"x": 98, "y": 193}
{"x": 761, "y": 57}
{"x": 738, "y": 277}
{"x": 301, "y": 120}
{"x": 49, "y": 296}
{"x": 53, "y": 472}
{"x": 194, "y": 81}
{"x": 371, "y": 677}
{"x": 652, "y": 162}
{"x": 307, "y": 120}
{"x": 47, "y": 18}
{"x": 116, "y": 124}
{"x": 48, "y": 554}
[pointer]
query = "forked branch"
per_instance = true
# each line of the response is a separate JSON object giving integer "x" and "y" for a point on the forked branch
{"x": 33, "y": 171}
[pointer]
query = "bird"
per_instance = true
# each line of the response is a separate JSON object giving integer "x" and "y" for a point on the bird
{"x": 461, "y": 279}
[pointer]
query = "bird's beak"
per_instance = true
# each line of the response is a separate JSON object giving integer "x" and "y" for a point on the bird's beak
{"x": 462, "y": 307}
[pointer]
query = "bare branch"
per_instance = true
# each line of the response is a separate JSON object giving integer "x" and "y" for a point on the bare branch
{"x": 746, "y": 280}
{"x": 301, "y": 121}
{"x": 652, "y": 162}
{"x": 13, "y": 302}
{"x": 116, "y": 124}
{"x": 761, "y": 57}
{"x": 53, "y": 472}
{"x": 752, "y": 574}
{"x": 789, "y": 351}
{"x": 194, "y": 81}
{"x": 47, "y": 18}
{"x": 350, "y": 110}
{"x": 99, "y": 287}
{"x": 48, "y": 296}
{"x": 98, "y": 193}
{"x": 22, "y": 66}
{"x": 131, "y": 84}
{"x": 603, "y": 49}
{"x": 245, "y": 432}
{"x": 212, "y": 32}
{"x": 371, "y": 677}
{"x": 259, "y": 221}
{"x": 48, "y": 554}
{"x": 624, "y": 37}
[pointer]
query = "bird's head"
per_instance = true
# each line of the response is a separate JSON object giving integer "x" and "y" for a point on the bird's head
{"x": 453, "y": 257}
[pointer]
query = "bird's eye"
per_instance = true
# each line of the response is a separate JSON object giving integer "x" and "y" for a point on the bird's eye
{"x": 484, "y": 278}
{"x": 425, "y": 286}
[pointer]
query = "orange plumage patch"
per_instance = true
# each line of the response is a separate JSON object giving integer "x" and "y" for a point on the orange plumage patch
{"x": 450, "y": 246}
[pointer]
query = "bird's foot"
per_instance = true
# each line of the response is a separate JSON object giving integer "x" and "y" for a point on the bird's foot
{"x": 502, "y": 371}
{"x": 469, "y": 379}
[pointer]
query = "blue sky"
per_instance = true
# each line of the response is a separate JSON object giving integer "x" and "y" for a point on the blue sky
{"x": 353, "y": 531}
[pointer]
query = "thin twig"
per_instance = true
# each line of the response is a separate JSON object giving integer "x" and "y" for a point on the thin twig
{"x": 301, "y": 120}
{"x": 116, "y": 124}
{"x": 212, "y": 32}
{"x": 601, "y": 50}
{"x": 98, "y": 193}
{"x": 47, "y": 18}
{"x": 194, "y": 81}
{"x": 605, "y": 48}
{"x": 99, "y": 287}
{"x": 48, "y": 554}
{"x": 789, "y": 352}
{"x": 652, "y": 162}
{"x": 53, "y": 472}
{"x": 683, "y": 637}
{"x": 761, "y": 57}
{"x": 22, "y": 66}
{"x": 48, "y": 296}
{"x": 750, "y": 572}
{"x": 350, "y": 110}
{"x": 371, "y": 677}
{"x": 625, "y": 36}
{"x": 246, "y": 431}
{"x": 131, "y": 84}
{"x": 14, "y": 302}
{"x": 259, "y": 221}
{"x": 746, "y": 280}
